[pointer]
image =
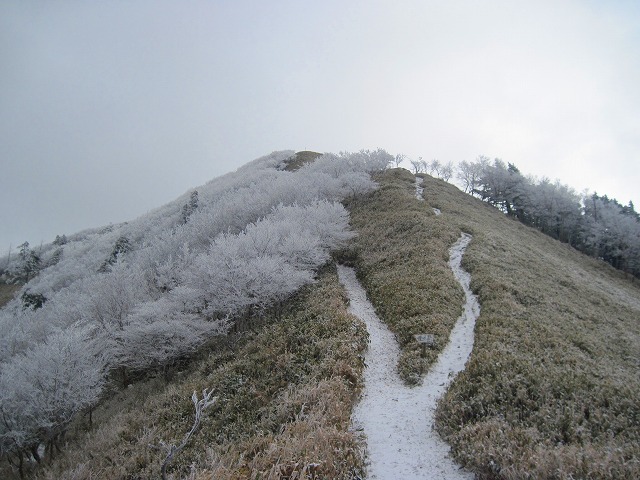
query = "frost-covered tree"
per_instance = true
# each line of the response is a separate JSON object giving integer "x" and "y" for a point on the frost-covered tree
{"x": 190, "y": 206}
{"x": 554, "y": 209}
{"x": 504, "y": 187}
{"x": 27, "y": 265}
{"x": 158, "y": 333}
{"x": 469, "y": 174}
{"x": 446, "y": 171}
{"x": 55, "y": 257}
{"x": 612, "y": 232}
{"x": 146, "y": 293}
{"x": 596, "y": 225}
{"x": 434, "y": 167}
{"x": 120, "y": 248}
{"x": 32, "y": 300}
{"x": 417, "y": 166}
{"x": 60, "y": 240}
{"x": 42, "y": 390}
{"x": 398, "y": 159}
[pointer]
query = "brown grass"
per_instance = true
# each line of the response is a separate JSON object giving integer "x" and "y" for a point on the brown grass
{"x": 300, "y": 159}
{"x": 285, "y": 393}
{"x": 401, "y": 255}
{"x": 552, "y": 387}
{"x": 7, "y": 292}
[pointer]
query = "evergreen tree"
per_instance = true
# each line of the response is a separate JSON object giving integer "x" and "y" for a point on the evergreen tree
{"x": 60, "y": 240}
{"x": 189, "y": 207}
{"x": 122, "y": 246}
{"x": 28, "y": 262}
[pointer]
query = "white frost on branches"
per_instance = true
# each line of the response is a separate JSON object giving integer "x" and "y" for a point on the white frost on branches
{"x": 252, "y": 239}
{"x": 42, "y": 389}
{"x": 199, "y": 405}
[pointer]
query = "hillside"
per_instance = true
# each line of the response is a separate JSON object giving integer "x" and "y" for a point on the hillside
{"x": 550, "y": 391}
{"x": 104, "y": 308}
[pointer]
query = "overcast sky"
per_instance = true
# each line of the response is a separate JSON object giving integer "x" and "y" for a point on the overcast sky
{"x": 110, "y": 109}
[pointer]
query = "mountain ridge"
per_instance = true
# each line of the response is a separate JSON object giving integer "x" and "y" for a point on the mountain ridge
{"x": 553, "y": 337}
{"x": 494, "y": 415}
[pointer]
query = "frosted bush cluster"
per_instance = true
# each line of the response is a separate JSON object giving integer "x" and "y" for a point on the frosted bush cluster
{"x": 143, "y": 293}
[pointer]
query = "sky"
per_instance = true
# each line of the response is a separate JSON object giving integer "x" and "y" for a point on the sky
{"x": 111, "y": 109}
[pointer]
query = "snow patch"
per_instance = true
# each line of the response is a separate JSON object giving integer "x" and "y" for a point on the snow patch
{"x": 398, "y": 420}
{"x": 420, "y": 192}
{"x": 419, "y": 188}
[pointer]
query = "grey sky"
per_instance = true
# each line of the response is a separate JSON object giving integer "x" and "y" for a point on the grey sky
{"x": 109, "y": 109}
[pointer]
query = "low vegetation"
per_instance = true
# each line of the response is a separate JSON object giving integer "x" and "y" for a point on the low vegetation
{"x": 551, "y": 389}
{"x": 7, "y": 292}
{"x": 284, "y": 392}
{"x": 401, "y": 255}
{"x": 300, "y": 159}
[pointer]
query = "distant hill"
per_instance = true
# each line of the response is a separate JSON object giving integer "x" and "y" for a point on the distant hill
{"x": 234, "y": 289}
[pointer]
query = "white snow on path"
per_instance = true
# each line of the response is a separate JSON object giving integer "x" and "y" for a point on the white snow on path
{"x": 419, "y": 192}
{"x": 419, "y": 188}
{"x": 398, "y": 420}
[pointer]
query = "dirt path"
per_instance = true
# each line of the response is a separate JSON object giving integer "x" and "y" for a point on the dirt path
{"x": 398, "y": 420}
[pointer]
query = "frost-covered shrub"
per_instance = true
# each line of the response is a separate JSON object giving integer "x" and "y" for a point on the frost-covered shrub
{"x": 144, "y": 293}
{"x": 158, "y": 333}
{"x": 42, "y": 389}
{"x": 270, "y": 259}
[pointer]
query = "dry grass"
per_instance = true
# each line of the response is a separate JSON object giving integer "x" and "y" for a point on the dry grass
{"x": 300, "y": 159}
{"x": 285, "y": 393}
{"x": 552, "y": 389}
{"x": 7, "y": 292}
{"x": 401, "y": 256}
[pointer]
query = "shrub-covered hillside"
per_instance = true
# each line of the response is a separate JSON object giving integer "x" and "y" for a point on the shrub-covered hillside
{"x": 232, "y": 289}
{"x": 102, "y": 306}
{"x": 284, "y": 392}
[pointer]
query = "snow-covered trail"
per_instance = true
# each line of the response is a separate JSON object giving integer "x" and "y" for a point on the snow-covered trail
{"x": 419, "y": 188}
{"x": 420, "y": 191}
{"x": 398, "y": 420}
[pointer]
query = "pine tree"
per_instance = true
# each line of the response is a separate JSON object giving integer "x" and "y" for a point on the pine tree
{"x": 29, "y": 262}
{"x": 189, "y": 207}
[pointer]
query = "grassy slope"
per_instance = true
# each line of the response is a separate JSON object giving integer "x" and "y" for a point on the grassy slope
{"x": 552, "y": 387}
{"x": 401, "y": 256}
{"x": 301, "y": 158}
{"x": 285, "y": 392}
{"x": 7, "y": 292}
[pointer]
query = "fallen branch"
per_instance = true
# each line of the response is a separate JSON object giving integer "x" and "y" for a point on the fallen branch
{"x": 199, "y": 406}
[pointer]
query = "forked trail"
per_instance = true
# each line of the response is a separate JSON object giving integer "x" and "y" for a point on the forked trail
{"x": 398, "y": 420}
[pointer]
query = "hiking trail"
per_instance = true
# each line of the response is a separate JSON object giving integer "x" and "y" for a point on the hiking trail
{"x": 396, "y": 419}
